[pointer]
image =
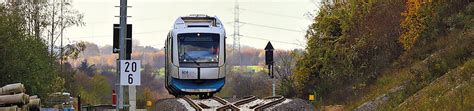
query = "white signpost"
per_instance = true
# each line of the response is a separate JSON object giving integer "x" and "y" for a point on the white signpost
{"x": 130, "y": 72}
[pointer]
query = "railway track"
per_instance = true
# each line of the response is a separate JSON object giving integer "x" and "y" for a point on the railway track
{"x": 192, "y": 103}
{"x": 276, "y": 100}
{"x": 250, "y": 103}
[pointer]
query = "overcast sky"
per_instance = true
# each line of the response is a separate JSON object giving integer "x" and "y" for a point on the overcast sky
{"x": 282, "y": 21}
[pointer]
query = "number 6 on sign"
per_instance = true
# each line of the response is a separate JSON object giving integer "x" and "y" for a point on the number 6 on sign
{"x": 130, "y": 72}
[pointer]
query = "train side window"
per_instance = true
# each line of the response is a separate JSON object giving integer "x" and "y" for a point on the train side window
{"x": 166, "y": 57}
{"x": 171, "y": 49}
{"x": 225, "y": 49}
{"x": 167, "y": 49}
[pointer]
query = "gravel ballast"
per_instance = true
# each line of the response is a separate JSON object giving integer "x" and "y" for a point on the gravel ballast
{"x": 170, "y": 104}
{"x": 295, "y": 104}
{"x": 290, "y": 104}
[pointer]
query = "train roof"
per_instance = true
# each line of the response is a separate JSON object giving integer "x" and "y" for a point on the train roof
{"x": 197, "y": 21}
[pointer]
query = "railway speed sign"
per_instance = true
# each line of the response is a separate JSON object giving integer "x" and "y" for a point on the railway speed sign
{"x": 130, "y": 72}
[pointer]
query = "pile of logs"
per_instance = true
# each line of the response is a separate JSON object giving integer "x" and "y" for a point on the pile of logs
{"x": 13, "y": 98}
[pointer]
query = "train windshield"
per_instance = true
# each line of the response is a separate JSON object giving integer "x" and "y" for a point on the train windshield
{"x": 198, "y": 47}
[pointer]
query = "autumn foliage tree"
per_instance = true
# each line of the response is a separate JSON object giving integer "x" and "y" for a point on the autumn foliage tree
{"x": 414, "y": 23}
{"x": 425, "y": 19}
{"x": 420, "y": 18}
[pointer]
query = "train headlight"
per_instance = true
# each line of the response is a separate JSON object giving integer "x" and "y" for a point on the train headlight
{"x": 198, "y": 90}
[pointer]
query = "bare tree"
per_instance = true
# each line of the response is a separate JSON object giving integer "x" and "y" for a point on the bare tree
{"x": 60, "y": 16}
{"x": 47, "y": 18}
{"x": 285, "y": 62}
{"x": 31, "y": 11}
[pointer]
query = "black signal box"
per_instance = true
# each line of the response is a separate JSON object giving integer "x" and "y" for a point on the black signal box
{"x": 128, "y": 39}
{"x": 269, "y": 54}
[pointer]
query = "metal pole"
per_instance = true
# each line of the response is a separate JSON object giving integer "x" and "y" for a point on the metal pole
{"x": 273, "y": 83}
{"x": 236, "y": 45}
{"x": 118, "y": 87}
{"x": 123, "y": 33}
{"x": 273, "y": 86}
{"x": 79, "y": 106}
{"x": 132, "y": 97}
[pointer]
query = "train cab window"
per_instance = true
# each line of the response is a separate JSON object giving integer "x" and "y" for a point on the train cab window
{"x": 198, "y": 47}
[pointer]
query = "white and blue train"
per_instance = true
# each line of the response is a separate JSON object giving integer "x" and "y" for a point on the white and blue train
{"x": 195, "y": 56}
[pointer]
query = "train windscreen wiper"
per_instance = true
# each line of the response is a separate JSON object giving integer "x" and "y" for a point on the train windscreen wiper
{"x": 189, "y": 57}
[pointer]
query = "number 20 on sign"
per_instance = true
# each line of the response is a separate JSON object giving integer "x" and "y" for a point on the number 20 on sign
{"x": 130, "y": 72}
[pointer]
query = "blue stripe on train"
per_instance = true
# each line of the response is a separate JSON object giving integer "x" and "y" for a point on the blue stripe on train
{"x": 189, "y": 84}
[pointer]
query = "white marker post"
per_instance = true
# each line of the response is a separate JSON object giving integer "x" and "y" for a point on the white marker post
{"x": 130, "y": 71}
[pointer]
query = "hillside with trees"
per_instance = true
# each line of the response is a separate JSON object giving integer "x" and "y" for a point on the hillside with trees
{"x": 386, "y": 54}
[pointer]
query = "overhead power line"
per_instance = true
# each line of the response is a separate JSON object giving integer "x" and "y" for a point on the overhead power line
{"x": 273, "y": 14}
{"x": 261, "y": 38}
{"x": 272, "y": 27}
{"x": 132, "y": 20}
{"x": 110, "y": 35}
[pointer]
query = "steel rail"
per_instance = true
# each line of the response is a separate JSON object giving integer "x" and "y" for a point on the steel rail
{"x": 245, "y": 100}
{"x": 280, "y": 99}
{"x": 192, "y": 103}
{"x": 220, "y": 100}
{"x": 227, "y": 104}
